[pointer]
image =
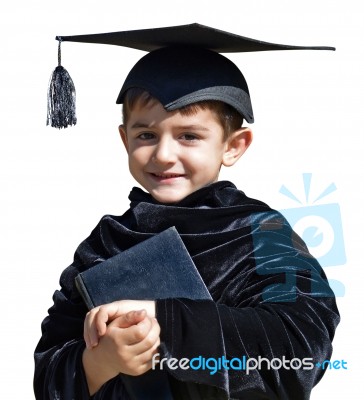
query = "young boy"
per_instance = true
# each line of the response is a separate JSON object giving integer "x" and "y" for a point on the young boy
{"x": 272, "y": 316}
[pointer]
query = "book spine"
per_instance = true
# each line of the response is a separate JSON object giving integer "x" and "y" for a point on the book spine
{"x": 81, "y": 287}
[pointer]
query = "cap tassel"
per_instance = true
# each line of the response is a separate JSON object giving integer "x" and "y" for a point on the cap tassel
{"x": 61, "y": 97}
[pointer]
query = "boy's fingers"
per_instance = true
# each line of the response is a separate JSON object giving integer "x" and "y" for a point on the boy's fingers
{"x": 86, "y": 337}
{"x": 129, "y": 319}
{"x": 90, "y": 333}
{"x": 136, "y": 316}
{"x": 135, "y": 333}
{"x": 145, "y": 336}
{"x": 101, "y": 319}
{"x": 109, "y": 312}
{"x": 152, "y": 339}
{"x": 96, "y": 323}
{"x": 145, "y": 358}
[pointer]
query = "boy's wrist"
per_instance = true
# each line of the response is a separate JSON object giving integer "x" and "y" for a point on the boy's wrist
{"x": 97, "y": 373}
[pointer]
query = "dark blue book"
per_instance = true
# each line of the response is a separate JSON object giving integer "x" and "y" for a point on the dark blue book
{"x": 157, "y": 268}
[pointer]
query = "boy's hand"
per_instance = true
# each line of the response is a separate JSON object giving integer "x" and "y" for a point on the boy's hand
{"x": 97, "y": 319}
{"x": 126, "y": 347}
{"x": 130, "y": 349}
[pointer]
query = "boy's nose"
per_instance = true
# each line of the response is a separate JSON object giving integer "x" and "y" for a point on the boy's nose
{"x": 165, "y": 152}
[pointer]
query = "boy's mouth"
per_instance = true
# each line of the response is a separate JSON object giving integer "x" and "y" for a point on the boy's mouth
{"x": 165, "y": 176}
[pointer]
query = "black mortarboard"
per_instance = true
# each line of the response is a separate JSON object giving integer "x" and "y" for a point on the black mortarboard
{"x": 183, "y": 66}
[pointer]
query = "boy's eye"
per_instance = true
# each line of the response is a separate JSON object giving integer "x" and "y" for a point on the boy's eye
{"x": 146, "y": 136}
{"x": 189, "y": 136}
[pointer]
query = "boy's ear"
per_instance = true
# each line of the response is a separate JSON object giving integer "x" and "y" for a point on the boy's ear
{"x": 123, "y": 136}
{"x": 236, "y": 145}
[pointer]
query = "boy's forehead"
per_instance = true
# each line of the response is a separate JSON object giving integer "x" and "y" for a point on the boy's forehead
{"x": 146, "y": 113}
{"x": 184, "y": 66}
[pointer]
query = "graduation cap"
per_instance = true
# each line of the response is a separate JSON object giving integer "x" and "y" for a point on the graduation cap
{"x": 183, "y": 66}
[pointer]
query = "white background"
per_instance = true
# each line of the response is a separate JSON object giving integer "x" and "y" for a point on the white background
{"x": 55, "y": 185}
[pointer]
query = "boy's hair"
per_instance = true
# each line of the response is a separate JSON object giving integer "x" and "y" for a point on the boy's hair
{"x": 229, "y": 118}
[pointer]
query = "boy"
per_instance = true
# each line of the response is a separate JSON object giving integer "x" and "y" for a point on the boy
{"x": 271, "y": 300}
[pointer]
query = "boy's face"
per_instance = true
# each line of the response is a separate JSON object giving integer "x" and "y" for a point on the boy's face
{"x": 172, "y": 155}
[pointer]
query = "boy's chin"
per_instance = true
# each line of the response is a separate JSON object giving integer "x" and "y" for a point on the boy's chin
{"x": 169, "y": 196}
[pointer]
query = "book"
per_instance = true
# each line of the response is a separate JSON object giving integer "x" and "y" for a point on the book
{"x": 160, "y": 267}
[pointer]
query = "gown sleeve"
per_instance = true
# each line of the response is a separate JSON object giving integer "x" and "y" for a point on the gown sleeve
{"x": 59, "y": 373}
{"x": 278, "y": 306}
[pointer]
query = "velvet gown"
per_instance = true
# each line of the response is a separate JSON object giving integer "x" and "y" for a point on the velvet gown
{"x": 271, "y": 299}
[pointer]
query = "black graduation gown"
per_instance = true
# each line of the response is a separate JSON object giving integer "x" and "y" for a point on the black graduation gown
{"x": 271, "y": 300}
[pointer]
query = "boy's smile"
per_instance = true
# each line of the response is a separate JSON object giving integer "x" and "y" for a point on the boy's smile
{"x": 172, "y": 155}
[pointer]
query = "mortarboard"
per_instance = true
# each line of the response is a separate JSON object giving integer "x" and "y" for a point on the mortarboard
{"x": 183, "y": 66}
